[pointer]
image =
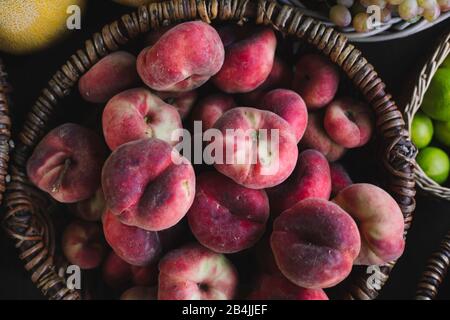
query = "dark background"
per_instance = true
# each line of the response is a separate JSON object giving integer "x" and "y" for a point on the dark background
{"x": 397, "y": 62}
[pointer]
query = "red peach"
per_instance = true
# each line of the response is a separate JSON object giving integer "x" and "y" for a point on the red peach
{"x": 67, "y": 163}
{"x": 183, "y": 59}
{"x": 315, "y": 243}
{"x": 348, "y": 122}
{"x": 315, "y": 137}
{"x": 83, "y": 244}
{"x": 261, "y": 151}
{"x": 112, "y": 74}
{"x": 226, "y": 217}
{"x": 148, "y": 184}
{"x": 316, "y": 79}
{"x": 248, "y": 62}
{"x": 116, "y": 273}
{"x": 196, "y": 273}
{"x": 119, "y": 274}
{"x": 182, "y": 101}
{"x": 277, "y": 287}
{"x": 340, "y": 178}
{"x": 280, "y": 77}
{"x": 311, "y": 179}
{"x": 290, "y": 106}
{"x": 380, "y": 222}
{"x": 136, "y": 114}
{"x": 140, "y": 293}
{"x": 90, "y": 209}
{"x": 211, "y": 108}
{"x": 134, "y": 245}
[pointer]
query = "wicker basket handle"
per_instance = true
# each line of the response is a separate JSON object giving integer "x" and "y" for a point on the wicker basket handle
{"x": 435, "y": 272}
{"x": 29, "y": 226}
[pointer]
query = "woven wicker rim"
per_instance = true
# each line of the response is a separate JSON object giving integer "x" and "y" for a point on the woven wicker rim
{"x": 393, "y": 29}
{"x": 5, "y": 130}
{"x": 27, "y": 221}
{"x": 422, "y": 84}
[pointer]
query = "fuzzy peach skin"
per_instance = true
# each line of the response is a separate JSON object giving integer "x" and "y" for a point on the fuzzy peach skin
{"x": 211, "y": 108}
{"x": 183, "y": 59}
{"x": 254, "y": 161}
{"x": 290, "y": 106}
{"x": 379, "y": 219}
{"x": 182, "y": 101}
{"x": 248, "y": 62}
{"x": 116, "y": 273}
{"x": 136, "y": 114}
{"x": 83, "y": 244}
{"x": 140, "y": 293}
{"x": 136, "y": 246}
{"x": 112, "y": 74}
{"x": 90, "y": 209}
{"x": 310, "y": 179}
{"x": 226, "y": 217}
{"x": 277, "y": 287}
{"x": 348, "y": 122}
{"x": 280, "y": 77}
{"x": 148, "y": 184}
{"x": 67, "y": 163}
{"x": 315, "y": 243}
{"x": 194, "y": 272}
{"x": 340, "y": 178}
{"x": 316, "y": 79}
{"x": 315, "y": 137}
{"x": 119, "y": 274}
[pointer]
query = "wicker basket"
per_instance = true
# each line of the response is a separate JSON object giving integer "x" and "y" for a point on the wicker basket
{"x": 394, "y": 29}
{"x": 421, "y": 85}
{"x": 435, "y": 271}
{"x": 27, "y": 220}
{"x": 5, "y": 130}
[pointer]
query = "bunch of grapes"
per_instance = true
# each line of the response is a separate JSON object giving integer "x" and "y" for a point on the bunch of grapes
{"x": 344, "y": 13}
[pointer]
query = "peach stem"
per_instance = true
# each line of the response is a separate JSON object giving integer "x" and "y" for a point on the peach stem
{"x": 58, "y": 182}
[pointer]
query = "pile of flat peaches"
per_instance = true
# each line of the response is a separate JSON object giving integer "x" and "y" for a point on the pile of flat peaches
{"x": 159, "y": 225}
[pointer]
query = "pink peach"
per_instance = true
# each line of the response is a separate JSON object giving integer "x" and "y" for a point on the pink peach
{"x": 136, "y": 114}
{"x": 248, "y": 62}
{"x": 90, "y": 209}
{"x": 311, "y": 179}
{"x": 380, "y": 222}
{"x": 340, "y": 178}
{"x": 134, "y": 245}
{"x": 211, "y": 108}
{"x": 315, "y": 243}
{"x": 226, "y": 217}
{"x": 67, "y": 163}
{"x": 112, "y": 74}
{"x": 83, "y": 244}
{"x": 183, "y": 59}
{"x": 277, "y": 287}
{"x": 316, "y": 80}
{"x": 148, "y": 184}
{"x": 348, "y": 122}
{"x": 261, "y": 149}
{"x": 290, "y": 106}
{"x": 196, "y": 273}
{"x": 315, "y": 137}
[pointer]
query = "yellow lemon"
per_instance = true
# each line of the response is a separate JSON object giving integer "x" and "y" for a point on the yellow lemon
{"x": 27, "y": 26}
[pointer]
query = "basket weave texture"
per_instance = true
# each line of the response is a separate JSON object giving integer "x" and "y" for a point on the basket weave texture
{"x": 5, "y": 130}
{"x": 421, "y": 86}
{"x": 27, "y": 221}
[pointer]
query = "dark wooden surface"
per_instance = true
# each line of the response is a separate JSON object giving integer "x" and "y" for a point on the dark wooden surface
{"x": 396, "y": 61}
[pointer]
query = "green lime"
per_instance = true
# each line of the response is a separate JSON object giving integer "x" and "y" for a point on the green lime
{"x": 436, "y": 103}
{"x": 446, "y": 63}
{"x": 421, "y": 130}
{"x": 442, "y": 131}
{"x": 435, "y": 163}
